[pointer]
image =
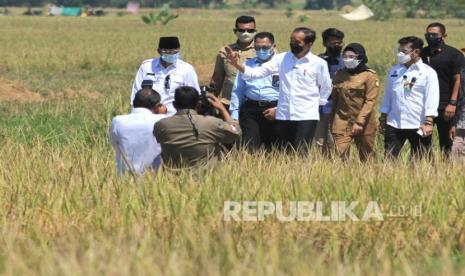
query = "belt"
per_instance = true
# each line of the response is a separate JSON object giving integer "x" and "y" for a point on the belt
{"x": 261, "y": 103}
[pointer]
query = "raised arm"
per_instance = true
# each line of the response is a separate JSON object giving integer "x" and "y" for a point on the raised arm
{"x": 268, "y": 68}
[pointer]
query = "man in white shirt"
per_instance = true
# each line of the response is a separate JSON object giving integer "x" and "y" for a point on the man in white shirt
{"x": 132, "y": 135}
{"x": 305, "y": 85}
{"x": 167, "y": 72}
{"x": 411, "y": 100}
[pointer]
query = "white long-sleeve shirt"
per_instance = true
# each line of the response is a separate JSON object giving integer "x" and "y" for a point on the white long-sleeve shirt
{"x": 411, "y": 94}
{"x": 165, "y": 80}
{"x": 304, "y": 84}
{"x": 132, "y": 135}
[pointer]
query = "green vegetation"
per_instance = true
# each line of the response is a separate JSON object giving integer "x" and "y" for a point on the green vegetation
{"x": 64, "y": 211}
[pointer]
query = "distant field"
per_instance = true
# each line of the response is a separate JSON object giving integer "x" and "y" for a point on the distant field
{"x": 63, "y": 210}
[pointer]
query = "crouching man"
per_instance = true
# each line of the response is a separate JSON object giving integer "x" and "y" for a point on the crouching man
{"x": 131, "y": 135}
{"x": 188, "y": 139}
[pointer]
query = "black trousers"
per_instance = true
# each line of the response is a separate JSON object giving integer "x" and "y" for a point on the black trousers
{"x": 297, "y": 135}
{"x": 443, "y": 126}
{"x": 257, "y": 131}
{"x": 394, "y": 140}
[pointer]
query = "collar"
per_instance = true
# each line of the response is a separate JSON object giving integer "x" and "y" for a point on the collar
{"x": 141, "y": 110}
{"x": 184, "y": 112}
{"x": 416, "y": 65}
{"x": 308, "y": 56}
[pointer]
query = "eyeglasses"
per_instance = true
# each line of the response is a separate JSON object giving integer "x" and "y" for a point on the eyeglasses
{"x": 167, "y": 82}
{"x": 250, "y": 31}
{"x": 263, "y": 48}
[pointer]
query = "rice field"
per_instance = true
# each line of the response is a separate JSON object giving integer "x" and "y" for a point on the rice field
{"x": 63, "y": 210}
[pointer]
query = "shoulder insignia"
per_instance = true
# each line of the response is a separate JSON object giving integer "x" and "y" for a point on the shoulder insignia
{"x": 372, "y": 71}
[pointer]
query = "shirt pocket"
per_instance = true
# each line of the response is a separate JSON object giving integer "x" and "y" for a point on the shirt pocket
{"x": 305, "y": 76}
{"x": 176, "y": 80}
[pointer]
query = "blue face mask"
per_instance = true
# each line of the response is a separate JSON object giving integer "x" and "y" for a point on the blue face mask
{"x": 170, "y": 58}
{"x": 264, "y": 54}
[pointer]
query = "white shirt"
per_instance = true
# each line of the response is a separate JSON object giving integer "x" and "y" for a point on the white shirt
{"x": 132, "y": 135}
{"x": 411, "y": 94}
{"x": 180, "y": 74}
{"x": 304, "y": 84}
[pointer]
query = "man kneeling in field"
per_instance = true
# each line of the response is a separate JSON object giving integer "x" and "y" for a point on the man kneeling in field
{"x": 131, "y": 135}
{"x": 189, "y": 139}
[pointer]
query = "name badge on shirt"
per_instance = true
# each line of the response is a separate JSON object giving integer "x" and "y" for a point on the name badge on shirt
{"x": 275, "y": 81}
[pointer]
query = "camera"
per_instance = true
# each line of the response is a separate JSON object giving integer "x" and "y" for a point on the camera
{"x": 205, "y": 107}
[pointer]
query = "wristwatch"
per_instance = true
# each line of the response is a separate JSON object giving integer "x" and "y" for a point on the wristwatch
{"x": 453, "y": 102}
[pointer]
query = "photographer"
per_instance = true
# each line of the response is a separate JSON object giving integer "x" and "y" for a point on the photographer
{"x": 188, "y": 139}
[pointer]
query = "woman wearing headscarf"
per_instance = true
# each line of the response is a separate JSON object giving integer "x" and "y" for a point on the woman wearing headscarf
{"x": 355, "y": 90}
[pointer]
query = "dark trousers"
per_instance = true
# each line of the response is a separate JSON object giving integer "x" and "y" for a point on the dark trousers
{"x": 394, "y": 140}
{"x": 297, "y": 135}
{"x": 443, "y": 126}
{"x": 257, "y": 131}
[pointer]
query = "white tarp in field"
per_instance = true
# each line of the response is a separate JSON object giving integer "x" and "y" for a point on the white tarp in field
{"x": 54, "y": 10}
{"x": 133, "y": 7}
{"x": 360, "y": 13}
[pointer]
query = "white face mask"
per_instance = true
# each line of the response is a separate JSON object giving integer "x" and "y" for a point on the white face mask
{"x": 403, "y": 58}
{"x": 351, "y": 63}
{"x": 245, "y": 37}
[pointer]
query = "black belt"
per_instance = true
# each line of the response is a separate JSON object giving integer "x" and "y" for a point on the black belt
{"x": 261, "y": 103}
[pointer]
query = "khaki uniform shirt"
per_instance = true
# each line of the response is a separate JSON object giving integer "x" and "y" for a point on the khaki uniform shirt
{"x": 224, "y": 73}
{"x": 354, "y": 98}
{"x": 189, "y": 142}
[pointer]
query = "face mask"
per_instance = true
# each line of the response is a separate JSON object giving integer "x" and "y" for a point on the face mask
{"x": 403, "y": 58}
{"x": 334, "y": 51}
{"x": 434, "y": 41}
{"x": 245, "y": 37}
{"x": 351, "y": 63}
{"x": 264, "y": 54}
{"x": 170, "y": 58}
{"x": 296, "y": 48}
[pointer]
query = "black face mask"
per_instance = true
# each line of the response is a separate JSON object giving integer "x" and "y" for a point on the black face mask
{"x": 434, "y": 41}
{"x": 334, "y": 51}
{"x": 296, "y": 48}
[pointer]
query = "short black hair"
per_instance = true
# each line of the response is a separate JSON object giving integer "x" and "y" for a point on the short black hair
{"x": 310, "y": 34}
{"x": 416, "y": 42}
{"x": 146, "y": 97}
{"x": 437, "y": 25}
{"x": 262, "y": 35}
{"x": 244, "y": 19}
{"x": 186, "y": 97}
{"x": 332, "y": 32}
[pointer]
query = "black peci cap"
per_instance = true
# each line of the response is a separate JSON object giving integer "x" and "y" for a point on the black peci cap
{"x": 169, "y": 42}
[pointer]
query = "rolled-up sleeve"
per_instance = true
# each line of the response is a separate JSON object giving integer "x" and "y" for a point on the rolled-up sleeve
{"x": 324, "y": 84}
{"x": 432, "y": 95}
